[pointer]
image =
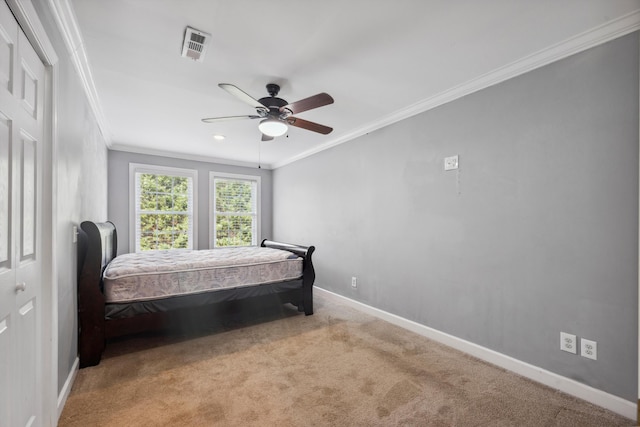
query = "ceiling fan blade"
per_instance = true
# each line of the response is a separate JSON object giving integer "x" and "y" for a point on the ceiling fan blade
{"x": 267, "y": 137}
{"x": 241, "y": 95}
{"x": 305, "y": 124}
{"x": 309, "y": 103}
{"x": 221, "y": 119}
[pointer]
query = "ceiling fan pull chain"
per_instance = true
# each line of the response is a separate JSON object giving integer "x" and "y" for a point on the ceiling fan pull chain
{"x": 259, "y": 154}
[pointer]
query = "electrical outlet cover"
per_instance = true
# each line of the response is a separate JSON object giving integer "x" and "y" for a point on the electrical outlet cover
{"x": 589, "y": 349}
{"x": 568, "y": 343}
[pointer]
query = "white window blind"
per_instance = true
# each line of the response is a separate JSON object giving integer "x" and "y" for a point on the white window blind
{"x": 235, "y": 207}
{"x": 164, "y": 213}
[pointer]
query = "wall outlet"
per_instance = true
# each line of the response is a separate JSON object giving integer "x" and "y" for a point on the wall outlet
{"x": 451, "y": 163}
{"x": 354, "y": 282}
{"x": 568, "y": 343}
{"x": 589, "y": 349}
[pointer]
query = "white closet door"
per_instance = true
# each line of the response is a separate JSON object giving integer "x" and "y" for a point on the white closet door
{"x": 22, "y": 77}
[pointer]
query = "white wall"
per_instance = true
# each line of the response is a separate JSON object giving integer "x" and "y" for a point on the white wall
{"x": 536, "y": 233}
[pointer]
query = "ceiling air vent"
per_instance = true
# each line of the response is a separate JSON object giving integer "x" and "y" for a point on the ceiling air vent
{"x": 195, "y": 44}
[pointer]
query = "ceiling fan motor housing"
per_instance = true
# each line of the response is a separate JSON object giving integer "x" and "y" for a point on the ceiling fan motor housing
{"x": 273, "y": 89}
{"x": 273, "y": 103}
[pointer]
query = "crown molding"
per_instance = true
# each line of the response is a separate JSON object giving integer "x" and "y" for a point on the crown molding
{"x": 596, "y": 36}
{"x": 67, "y": 23}
{"x": 191, "y": 157}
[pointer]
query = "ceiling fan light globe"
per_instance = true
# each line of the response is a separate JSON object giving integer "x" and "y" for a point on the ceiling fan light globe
{"x": 273, "y": 127}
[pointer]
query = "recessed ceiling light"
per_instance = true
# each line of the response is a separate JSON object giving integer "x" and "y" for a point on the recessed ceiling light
{"x": 218, "y": 137}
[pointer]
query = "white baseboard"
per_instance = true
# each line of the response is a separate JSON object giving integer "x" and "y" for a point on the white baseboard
{"x": 66, "y": 389}
{"x": 550, "y": 379}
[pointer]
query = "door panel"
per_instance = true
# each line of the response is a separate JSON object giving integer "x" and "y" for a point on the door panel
{"x": 26, "y": 324}
{"x": 29, "y": 90}
{"x": 28, "y": 201}
{"x": 6, "y": 57}
{"x": 9, "y": 28}
{"x": 5, "y": 185}
{"x": 5, "y": 368}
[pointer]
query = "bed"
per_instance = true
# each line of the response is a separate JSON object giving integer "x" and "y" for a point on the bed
{"x": 132, "y": 293}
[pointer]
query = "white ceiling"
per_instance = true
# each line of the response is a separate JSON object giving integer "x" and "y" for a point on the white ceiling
{"x": 380, "y": 60}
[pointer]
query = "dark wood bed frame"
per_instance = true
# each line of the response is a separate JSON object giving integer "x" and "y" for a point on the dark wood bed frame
{"x": 97, "y": 246}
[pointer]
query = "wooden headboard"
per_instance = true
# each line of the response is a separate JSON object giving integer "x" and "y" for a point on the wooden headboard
{"x": 94, "y": 236}
{"x": 97, "y": 246}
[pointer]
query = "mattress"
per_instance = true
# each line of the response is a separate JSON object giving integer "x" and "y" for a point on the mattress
{"x": 162, "y": 274}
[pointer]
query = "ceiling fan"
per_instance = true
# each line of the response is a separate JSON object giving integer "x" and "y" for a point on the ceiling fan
{"x": 276, "y": 113}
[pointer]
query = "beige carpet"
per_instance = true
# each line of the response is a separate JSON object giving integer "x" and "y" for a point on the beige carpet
{"x": 338, "y": 367}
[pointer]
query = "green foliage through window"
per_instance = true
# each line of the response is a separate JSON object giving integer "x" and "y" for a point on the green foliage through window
{"x": 235, "y": 212}
{"x": 164, "y": 213}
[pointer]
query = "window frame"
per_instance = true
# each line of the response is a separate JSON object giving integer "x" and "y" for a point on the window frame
{"x": 212, "y": 205}
{"x": 135, "y": 168}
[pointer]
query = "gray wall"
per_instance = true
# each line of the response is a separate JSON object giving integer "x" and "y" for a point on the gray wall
{"x": 119, "y": 192}
{"x": 536, "y": 233}
{"x": 80, "y": 174}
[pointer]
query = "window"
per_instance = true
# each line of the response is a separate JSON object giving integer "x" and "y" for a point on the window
{"x": 163, "y": 216}
{"x": 235, "y": 202}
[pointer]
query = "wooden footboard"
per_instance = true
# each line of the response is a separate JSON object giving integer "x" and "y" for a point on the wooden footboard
{"x": 308, "y": 273}
{"x": 97, "y": 246}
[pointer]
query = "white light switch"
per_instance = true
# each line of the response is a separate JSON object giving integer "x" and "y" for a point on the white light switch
{"x": 451, "y": 163}
{"x": 74, "y": 238}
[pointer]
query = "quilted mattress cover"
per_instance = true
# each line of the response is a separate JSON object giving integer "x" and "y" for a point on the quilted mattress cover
{"x": 161, "y": 274}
